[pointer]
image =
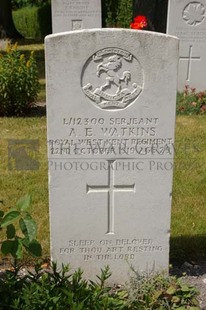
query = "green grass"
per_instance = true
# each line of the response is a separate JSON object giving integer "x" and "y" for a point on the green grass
{"x": 188, "y": 228}
{"x": 189, "y": 190}
{"x": 15, "y": 184}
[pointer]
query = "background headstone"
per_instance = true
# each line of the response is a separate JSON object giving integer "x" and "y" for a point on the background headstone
{"x": 4, "y": 43}
{"x": 187, "y": 21}
{"x": 75, "y": 15}
{"x": 111, "y": 97}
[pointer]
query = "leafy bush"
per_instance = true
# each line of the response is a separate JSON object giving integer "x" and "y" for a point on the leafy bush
{"x": 60, "y": 290}
{"x": 124, "y": 13}
{"x": 33, "y": 22}
{"x": 117, "y": 13}
{"x": 17, "y": 4}
{"x": 149, "y": 291}
{"x": 19, "y": 219}
{"x": 191, "y": 102}
{"x": 19, "y": 83}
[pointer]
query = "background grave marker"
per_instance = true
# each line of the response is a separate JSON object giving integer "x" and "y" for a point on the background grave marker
{"x": 75, "y": 15}
{"x": 187, "y": 21}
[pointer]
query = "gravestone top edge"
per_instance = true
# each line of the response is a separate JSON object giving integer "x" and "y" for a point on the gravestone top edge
{"x": 110, "y": 30}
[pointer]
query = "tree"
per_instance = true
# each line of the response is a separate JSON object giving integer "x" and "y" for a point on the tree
{"x": 7, "y": 27}
{"x": 155, "y": 11}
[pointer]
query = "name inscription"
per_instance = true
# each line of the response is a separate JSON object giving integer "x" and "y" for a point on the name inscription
{"x": 191, "y": 35}
{"x": 113, "y": 136}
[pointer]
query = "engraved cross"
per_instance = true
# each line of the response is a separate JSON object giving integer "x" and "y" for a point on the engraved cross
{"x": 189, "y": 61}
{"x": 110, "y": 189}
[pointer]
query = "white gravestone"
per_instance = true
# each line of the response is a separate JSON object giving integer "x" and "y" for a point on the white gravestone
{"x": 75, "y": 15}
{"x": 111, "y": 98}
{"x": 187, "y": 21}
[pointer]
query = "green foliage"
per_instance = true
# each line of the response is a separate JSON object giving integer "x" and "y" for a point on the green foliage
{"x": 15, "y": 220}
{"x": 124, "y": 13}
{"x": 17, "y": 4}
{"x": 191, "y": 102}
{"x": 148, "y": 292}
{"x": 60, "y": 290}
{"x": 117, "y": 13}
{"x": 19, "y": 83}
{"x": 33, "y": 22}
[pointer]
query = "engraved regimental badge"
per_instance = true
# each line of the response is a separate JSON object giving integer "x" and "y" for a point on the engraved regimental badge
{"x": 112, "y": 79}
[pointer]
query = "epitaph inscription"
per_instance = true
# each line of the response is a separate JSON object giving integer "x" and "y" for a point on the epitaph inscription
{"x": 107, "y": 250}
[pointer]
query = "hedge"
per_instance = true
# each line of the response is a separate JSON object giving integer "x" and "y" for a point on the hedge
{"x": 33, "y": 22}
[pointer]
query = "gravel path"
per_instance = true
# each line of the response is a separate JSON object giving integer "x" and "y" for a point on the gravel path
{"x": 195, "y": 276}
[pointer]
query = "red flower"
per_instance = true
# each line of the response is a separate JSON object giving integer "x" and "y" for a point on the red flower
{"x": 140, "y": 22}
{"x": 201, "y": 94}
{"x": 203, "y": 108}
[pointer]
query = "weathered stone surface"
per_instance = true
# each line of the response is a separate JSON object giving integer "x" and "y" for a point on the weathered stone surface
{"x": 187, "y": 21}
{"x": 75, "y": 15}
{"x": 111, "y": 97}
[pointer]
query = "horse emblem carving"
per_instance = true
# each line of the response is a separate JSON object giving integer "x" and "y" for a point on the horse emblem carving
{"x": 114, "y": 87}
{"x": 110, "y": 68}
